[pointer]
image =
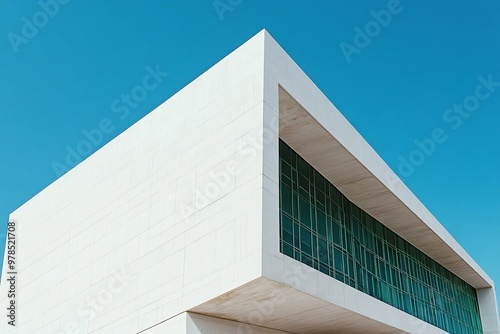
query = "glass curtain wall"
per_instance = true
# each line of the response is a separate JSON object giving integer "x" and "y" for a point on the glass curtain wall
{"x": 321, "y": 228}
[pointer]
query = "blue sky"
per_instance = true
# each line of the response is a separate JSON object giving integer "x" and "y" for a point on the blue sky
{"x": 420, "y": 81}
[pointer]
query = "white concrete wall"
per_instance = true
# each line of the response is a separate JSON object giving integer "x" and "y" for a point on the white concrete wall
{"x": 162, "y": 218}
{"x": 489, "y": 310}
{"x": 176, "y": 324}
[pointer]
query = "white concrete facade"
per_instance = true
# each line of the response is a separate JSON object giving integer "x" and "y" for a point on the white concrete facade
{"x": 173, "y": 227}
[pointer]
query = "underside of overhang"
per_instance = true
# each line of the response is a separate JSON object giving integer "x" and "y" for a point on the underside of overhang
{"x": 326, "y": 154}
{"x": 269, "y": 304}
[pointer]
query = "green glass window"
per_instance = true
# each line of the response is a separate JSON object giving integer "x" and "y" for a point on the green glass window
{"x": 321, "y": 228}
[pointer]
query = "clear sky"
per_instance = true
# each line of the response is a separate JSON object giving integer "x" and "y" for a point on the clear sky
{"x": 420, "y": 80}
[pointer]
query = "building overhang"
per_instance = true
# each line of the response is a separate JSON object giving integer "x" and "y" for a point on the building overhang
{"x": 370, "y": 184}
{"x": 267, "y": 303}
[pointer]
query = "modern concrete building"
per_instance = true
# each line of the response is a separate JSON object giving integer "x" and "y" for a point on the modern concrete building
{"x": 246, "y": 203}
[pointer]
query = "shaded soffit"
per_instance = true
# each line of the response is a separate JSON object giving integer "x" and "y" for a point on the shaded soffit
{"x": 288, "y": 309}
